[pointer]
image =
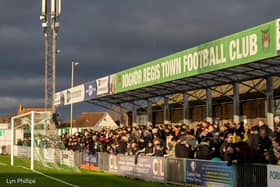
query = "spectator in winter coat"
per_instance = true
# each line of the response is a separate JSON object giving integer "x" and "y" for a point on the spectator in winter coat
{"x": 225, "y": 145}
{"x": 253, "y": 142}
{"x": 149, "y": 150}
{"x": 264, "y": 146}
{"x": 276, "y": 132}
{"x": 122, "y": 145}
{"x": 277, "y": 156}
{"x": 275, "y": 144}
{"x": 182, "y": 149}
{"x": 242, "y": 148}
{"x": 159, "y": 149}
{"x": 240, "y": 129}
{"x": 204, "y": 150}
{"x": 262, "y": 125}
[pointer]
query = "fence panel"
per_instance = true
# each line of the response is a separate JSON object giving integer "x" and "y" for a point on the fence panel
{"x": 90, "y": 161}
{"x": 70, "y": 158}
{"x": 171, "y": 170}
{"x": 273, "y": 175}
{"x": 103, "y": 161}
{"x": 22, "y": 151}
{"x": 251, "y": 175}
{"x": 51, "y": 155}
{"x": 147, "y": 168}
{"x": 175, "y": 170}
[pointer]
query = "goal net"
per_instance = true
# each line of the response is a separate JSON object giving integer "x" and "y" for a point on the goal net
{"x": 34, "y": 136}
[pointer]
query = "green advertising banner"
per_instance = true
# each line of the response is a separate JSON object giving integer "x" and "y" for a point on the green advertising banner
{"x": 247, "y": 46}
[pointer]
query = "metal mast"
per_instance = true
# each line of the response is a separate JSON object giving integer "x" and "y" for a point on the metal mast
{"x": 50, "y": 28}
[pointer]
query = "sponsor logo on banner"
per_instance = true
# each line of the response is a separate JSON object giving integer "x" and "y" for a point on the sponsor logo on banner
{"x": 209, "y": 173}
{"x": 265, "y": 38}
{"x": 62, "y": 98}
{"x": 113, "y": 162}
{"x": 57, "y": 100}
{"x": 90, "y": 161}
{"x": 102, "y": 85}
{"x": 112, "y": 84}
{"x": 158, "y": 167}
{"x": 49, "y": 155}
{"x": 90, "y": 90}
{"x": 75, "y": 95}
{"x": 68, "y": 158}
{"x": 23, "y": 151}
{"x": 273, "y": 175}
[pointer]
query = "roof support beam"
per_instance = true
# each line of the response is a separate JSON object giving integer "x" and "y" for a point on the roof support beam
{"x": 236, "y": 103}
{"x": 198, "y": 98}
{"x": 186, "y": 109}
{"x": 149, "y": 112}
{"x": 166, "y": 112}
{"x": 209, "y": 106}
{"x": 253, "y": 87}
{"x": 134, "y": 115}
{"x": 269, "y": 102}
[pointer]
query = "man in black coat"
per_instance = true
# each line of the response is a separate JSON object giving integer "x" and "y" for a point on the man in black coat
{"x": 242, "y": 149}
{"x": 204, "y": 150}
{"x": 264, "y": 146}
{"x": 182, "y": 149}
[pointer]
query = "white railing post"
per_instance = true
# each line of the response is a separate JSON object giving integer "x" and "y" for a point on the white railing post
{"x": 32, "y": 141}
{"x": 12, "y": 142}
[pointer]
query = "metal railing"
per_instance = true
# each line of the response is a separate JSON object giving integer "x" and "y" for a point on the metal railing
{"x": 176, "y": 170}
{"x": 254, "y": 175}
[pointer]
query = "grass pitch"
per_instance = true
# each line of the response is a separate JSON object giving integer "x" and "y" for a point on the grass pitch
{"x": 21, "y": 175}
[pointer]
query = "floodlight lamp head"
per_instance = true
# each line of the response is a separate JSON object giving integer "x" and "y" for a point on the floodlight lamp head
{"x": 43, "y": 18}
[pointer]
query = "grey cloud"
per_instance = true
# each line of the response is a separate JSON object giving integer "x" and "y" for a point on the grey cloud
{"x": 10, "y": 104}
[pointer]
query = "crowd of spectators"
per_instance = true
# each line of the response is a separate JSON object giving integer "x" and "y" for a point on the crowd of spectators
{"x": 42, "y": 141}
{"x": 235, "y": 143}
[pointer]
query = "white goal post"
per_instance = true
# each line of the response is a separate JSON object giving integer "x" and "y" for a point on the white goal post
{"x": 46, "y": 116}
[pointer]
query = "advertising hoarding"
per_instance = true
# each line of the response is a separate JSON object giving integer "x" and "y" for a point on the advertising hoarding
{"x": 90, "y": 161}
{"x": 273, "y": 175}
{"x": 70, "y": 96}
{"x": 67, "y": 158}
{"x": 102, "y": 86}
{"x": 253, "y": 44}
{"x": 49, "y": 155}
{"x": 247, "y": 46}
{"x": 209, "y": 173}
{"x": 147, "y": 168}
{"x": 90, "y": 90}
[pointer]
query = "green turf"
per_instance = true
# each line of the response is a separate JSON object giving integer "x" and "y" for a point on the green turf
{"x": 82, "y": 178}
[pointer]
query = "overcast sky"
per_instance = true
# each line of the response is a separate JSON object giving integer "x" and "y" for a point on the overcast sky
{"x": 108, "y": 36}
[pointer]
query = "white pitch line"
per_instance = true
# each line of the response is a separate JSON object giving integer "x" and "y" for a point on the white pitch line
{"x": 3, "y": 164}
{"x": 50, "y": 177}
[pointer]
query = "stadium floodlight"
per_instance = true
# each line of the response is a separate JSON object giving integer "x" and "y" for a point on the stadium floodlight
{"x": 50, "y": 12}
{"x": 43, "y": 16}
{"x": 55, "y": 8}
{"x": 58, "y": 8}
